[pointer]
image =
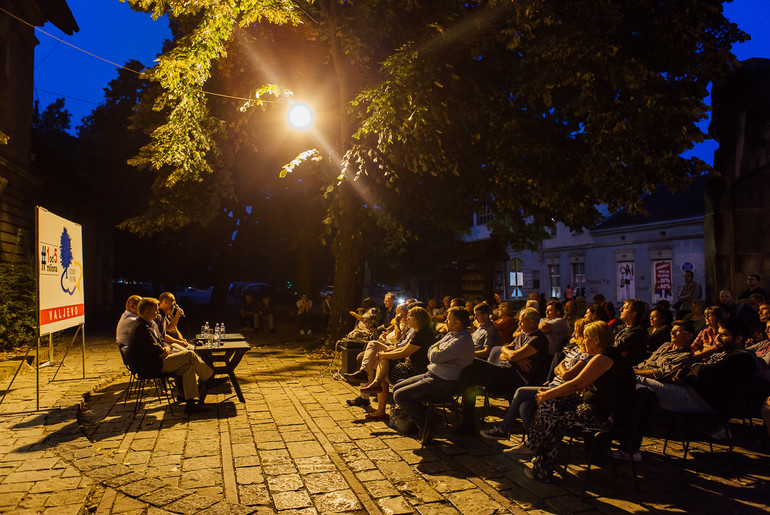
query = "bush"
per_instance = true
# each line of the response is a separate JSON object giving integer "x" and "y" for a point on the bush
{"x": 18, "y": 302}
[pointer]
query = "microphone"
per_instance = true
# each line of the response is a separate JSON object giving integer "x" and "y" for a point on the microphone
{"x": 180, "y": 310}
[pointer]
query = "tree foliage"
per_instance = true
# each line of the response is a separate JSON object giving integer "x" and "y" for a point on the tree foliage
{"x": 538, "y": 109}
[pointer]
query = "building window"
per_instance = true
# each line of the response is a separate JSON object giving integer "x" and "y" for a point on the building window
{"x": 578, "y": 280}
{"x": 536, "y": 280}
{"x": 485, "y": 216}
{"x": 553, "y": 271}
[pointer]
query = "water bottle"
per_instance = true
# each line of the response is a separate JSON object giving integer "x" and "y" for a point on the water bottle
{"x": 207, "y": 333}
{"x": 217, "y": 336}
{"x": 222, "y": 331}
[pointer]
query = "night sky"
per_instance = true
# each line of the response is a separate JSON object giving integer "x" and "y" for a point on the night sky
{"x": 112, "y": 30}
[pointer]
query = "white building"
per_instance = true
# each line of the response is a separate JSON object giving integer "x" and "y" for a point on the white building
{"x": 626, "y": 256}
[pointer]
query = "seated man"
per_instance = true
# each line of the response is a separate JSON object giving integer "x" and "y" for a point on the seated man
{"x": 708, "y": 387}
{"x": 149, "y": 355}
{"x": 666, "y": 362}
{"x": 127, "y": 320}
{"x": 486, "y": 337}
{"x": 554, "y": 327}
{"x": 168, "y": 317}
{"x": 523, "y": 362}
{"x": 631, "y": 337}
{"x": 447, "y": 359}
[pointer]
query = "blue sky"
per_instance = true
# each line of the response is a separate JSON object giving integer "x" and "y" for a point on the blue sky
{"x": 113, "y": 31}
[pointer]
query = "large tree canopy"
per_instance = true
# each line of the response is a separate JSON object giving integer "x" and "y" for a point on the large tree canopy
{"x": 538, "y": 109}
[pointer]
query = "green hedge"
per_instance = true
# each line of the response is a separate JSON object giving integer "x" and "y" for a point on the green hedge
{"x": 18, "y": 303}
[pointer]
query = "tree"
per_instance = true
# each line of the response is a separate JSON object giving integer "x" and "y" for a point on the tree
{"x": 539, "y": 109}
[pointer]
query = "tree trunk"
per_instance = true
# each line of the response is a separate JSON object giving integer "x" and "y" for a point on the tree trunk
{"x": 348, "y": 250}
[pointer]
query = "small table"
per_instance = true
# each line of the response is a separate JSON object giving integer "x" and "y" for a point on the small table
{"x": 224, "y": 360}
{"x": 228, "y": 337}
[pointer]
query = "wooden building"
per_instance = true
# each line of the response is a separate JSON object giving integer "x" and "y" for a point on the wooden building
{"x": 18, "y": 183}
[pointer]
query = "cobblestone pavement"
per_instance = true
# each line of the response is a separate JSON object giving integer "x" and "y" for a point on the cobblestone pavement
{"x": 296, "y": 447}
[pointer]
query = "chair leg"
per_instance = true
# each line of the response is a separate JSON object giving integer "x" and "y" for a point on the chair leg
{"x": 139, "y": 390}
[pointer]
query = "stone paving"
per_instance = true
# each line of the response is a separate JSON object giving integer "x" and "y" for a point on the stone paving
{"x": 296, "y": 447}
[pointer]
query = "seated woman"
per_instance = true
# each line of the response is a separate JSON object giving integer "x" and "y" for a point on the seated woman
{"x": 505, "y": 323}
{"x": 659, "y": 331}
{"x": 407, "y": 361}
{"x": 697, "y": 316}
{"x": 523, "y": 403}
{"x": 607, "y": 384}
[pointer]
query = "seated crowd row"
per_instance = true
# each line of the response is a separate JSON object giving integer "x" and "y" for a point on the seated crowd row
{"x": 556, "y": 373}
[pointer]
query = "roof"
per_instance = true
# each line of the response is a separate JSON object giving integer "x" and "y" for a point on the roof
{"x": 39, "y": 12}
{"x": 663, "y": 206}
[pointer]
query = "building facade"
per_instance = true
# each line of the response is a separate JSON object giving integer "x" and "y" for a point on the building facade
{"x": 626, "y": 256}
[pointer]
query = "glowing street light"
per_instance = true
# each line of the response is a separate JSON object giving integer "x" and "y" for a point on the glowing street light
{"x": 300, "y": 116}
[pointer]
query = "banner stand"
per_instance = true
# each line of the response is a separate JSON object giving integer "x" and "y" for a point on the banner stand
{"x": 81, "y": 330}
{"x": 50, "y": 361}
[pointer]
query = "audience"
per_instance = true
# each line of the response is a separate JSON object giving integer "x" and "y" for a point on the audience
{"x": 523, "y": 404}
{"x": 604, "y": 389}
{"x": 447, "y": 359}
{"x": 397, "y": 364}
{"x": 523, "y": 362}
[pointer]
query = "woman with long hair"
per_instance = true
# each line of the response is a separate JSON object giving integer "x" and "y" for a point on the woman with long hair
{"x": 398, "y": 364}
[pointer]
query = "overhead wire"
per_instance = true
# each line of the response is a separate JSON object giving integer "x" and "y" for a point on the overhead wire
{"x": 223, "y": 95}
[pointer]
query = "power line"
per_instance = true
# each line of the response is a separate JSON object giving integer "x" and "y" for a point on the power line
{"x": 223, "y": 95}
{"x": 66, "y": 96}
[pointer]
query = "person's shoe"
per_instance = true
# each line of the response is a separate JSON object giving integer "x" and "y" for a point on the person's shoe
{"x": 620, "y": 454}
{"x": 358, "y": 401}
{"x": 302, "y": 332}
{"x": 494, "y": 433}
{"x": 192, "y": 408}
{"x": 212, "y": 382}
{"x": 375, "y": 388}
{"x": 721, "y": 433}
{"x": 356, "y": 377}
{"x": 520, "y": 450}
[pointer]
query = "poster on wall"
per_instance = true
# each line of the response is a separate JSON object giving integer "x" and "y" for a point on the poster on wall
{"x": 626, "y": 285}
{"x": 662, "y": 280}
{"x": 60, "y": 272}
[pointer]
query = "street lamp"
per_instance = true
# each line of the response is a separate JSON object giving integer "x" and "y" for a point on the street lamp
{"x": 300, "y": 116}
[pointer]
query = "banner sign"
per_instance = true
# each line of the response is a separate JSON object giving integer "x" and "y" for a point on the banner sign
{"x": 662, "y": 280}
{"x": 60, "y": 272}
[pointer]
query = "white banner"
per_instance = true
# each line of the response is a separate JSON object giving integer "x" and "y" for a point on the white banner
{"x": 60, "y": 272}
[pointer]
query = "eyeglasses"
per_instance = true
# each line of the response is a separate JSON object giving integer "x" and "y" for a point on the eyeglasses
{"x": 676, "y": 332}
